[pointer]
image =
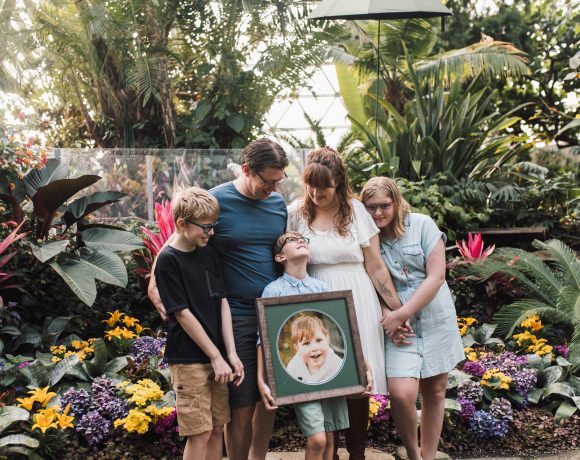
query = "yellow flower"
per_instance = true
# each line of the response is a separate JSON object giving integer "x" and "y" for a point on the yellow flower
{"x": 77, "y": 344}
{"x": 139, "y": 328}
{"x": 42, "y": 395}
{"x": 65, "y": 420}
{"x": 143, "y": 391}
{"x": 470, "y": 353}
{"x": 56, "y": 359}
{"x": 123, "y": 384}
{"x": 464, "y": 324}
{"x": 44, "y": 420}
{"x": 26, "y": 403}
{"x": 493, "y": 378}
{"x": 114, "y": 319}
{"x": 113, "y": 333}
{"x": 127, "y": 334}
{"x": 130, "y": 321}
{"x": 135, "y": 422}
{"x": 532, "y": 322}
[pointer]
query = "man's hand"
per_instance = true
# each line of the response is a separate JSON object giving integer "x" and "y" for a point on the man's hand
{"x": 236, "y": 363}
{"x": 222, "y": 370}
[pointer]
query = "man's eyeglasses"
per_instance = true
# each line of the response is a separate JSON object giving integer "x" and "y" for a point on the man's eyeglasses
{"x": 272, "y": 183}
{"x": 295, "y": 239}
{"x": 373, "y": 208}
{"x": 205, "y": 227}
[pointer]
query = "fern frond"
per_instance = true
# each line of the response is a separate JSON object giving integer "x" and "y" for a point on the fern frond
{"x": 145, "y": 75}
{"x": 510, "y": 316}
{"x": 574, "y": 346}
{"x": 569, "y": 302}
{"x": 565, "y": 260}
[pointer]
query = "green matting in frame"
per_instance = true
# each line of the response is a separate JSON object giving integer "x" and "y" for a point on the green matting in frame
{"x": 340, "y": 371}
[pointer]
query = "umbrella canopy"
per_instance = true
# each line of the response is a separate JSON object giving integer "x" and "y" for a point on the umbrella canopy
{"x": 379, "y": 9}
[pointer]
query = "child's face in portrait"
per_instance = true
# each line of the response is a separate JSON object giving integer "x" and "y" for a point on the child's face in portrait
{"x": 314, "y": 350}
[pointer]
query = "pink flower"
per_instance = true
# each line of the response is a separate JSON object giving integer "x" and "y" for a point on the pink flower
{"x": 164, "y": 218}
{"x": 473, "y": 250}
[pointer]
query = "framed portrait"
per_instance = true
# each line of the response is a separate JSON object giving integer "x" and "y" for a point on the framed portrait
{"x": 311, "y": 346}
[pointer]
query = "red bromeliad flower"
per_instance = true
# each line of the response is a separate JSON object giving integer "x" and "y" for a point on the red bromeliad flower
{"x": 164, "y": 219}
{"x": 473, "y": 250}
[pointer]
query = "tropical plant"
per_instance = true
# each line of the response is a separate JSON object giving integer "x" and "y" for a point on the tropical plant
{"x": 453, "y": 132}
{"x": 161, "y": 73}
{"x": 166, "y": 225}
{"x": 14, "y": 444}
{"x": 472, "y": 251}
{"x": 5, "y": 244}
{"x": 550, "y": 291}
{"x": 82, "y": 252}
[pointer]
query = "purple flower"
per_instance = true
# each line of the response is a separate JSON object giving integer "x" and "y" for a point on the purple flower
{"x": 103, "y": 385}
{"x": 145, "y": 347}
{"x": 109, "y": 406}
{"x": 501, "y": 409}
{"x": 24, "y": 364}
{"x": 562, "y": 350}
{"x": 470, "y": 390}
{"x": 486, "y": 425}
{"x": 474, "y": 368}
{"x": 94, "y": 427}
{"x": 79, "y": 401}
{"x": 165, "y": 428}
{"x": 383, "y": 413}
{"x": 467, "y": 409}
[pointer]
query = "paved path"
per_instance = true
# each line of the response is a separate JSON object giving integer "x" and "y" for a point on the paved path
{"x": 373, "y": 454}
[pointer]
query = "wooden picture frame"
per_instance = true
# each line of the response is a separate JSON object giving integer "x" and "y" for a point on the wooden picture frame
{"x": 311, "y": 346}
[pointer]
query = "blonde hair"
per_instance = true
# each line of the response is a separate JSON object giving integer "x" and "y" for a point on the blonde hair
{"x": 304, "y": 327}
{"x": 194, "y": 203}
{"x": 324, "y": 169}
{"x": 388, "y": 187}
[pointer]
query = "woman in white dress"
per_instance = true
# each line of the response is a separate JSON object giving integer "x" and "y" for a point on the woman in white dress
{"x": 344, "y": 253}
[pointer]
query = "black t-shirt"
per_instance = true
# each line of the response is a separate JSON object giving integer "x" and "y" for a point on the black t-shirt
{"x": 190, "y": 280}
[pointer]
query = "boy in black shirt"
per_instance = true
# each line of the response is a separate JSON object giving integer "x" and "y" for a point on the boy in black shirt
{"x": 190, "y": 284}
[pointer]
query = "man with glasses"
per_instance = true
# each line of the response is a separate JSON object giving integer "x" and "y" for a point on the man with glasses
{"x": 252, "y": 216}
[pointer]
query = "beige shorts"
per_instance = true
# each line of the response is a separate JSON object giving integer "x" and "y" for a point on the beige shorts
{"x": 201, "y": 402}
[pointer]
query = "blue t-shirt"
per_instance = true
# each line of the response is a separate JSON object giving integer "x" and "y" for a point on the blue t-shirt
{"x": 245, "y": 234}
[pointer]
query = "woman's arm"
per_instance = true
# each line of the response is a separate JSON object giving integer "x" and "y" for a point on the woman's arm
{"x": 379, "y": 274}
{"x": 435, "y": 270}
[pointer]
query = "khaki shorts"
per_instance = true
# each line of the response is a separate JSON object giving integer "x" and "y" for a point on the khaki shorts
{"x": 201, "y": 402}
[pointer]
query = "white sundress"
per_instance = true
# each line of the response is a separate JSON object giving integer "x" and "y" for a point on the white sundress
{"x": 338, "y": 261}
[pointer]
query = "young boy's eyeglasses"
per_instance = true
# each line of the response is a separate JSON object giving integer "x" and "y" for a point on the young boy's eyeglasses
{"x": 295, "y": 239}
{"x": 373, "y": 208}
{"x": 205, "y": 227}
{"x": 271, "y": 183}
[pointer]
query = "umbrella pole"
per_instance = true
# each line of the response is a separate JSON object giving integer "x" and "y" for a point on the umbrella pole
{"x": 377, "y": 87}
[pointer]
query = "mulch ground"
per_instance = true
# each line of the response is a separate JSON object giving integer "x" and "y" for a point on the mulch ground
{"x": 532, "y": 433}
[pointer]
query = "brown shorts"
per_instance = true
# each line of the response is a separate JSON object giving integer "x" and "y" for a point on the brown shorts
{"x": 201, "y": 402}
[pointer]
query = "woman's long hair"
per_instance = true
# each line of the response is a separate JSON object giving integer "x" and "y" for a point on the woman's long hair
{"x": 388, "y": 187}
{"x": 324, "y": 169}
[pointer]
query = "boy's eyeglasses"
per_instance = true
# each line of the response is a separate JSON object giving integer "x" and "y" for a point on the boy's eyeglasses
{"x": 205, "y": 227}
{"x": 373, "y": 208}
{"x": 294, "y": 239}
{"x": 272, "y": 183}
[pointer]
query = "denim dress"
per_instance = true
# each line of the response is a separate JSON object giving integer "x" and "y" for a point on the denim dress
{"x": 437, "y": 347}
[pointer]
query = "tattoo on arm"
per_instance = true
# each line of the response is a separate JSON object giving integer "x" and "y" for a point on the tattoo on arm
{"x": 383, "y": 289}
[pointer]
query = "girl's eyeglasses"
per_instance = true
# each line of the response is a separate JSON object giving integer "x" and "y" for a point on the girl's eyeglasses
{"x": 373, "y": 208}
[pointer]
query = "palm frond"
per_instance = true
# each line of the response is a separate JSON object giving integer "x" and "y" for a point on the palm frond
{"x": 569, "y": 301}
{"x": 565, "y": 260}
{"x": 537, "y": 270}
{"x": 146, "y": 76}
{"x": 490, "y": 58}
{"x": 509, "y": 317}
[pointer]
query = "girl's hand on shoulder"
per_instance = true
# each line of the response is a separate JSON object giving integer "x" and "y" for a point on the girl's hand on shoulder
{"x": 236, "y": 363}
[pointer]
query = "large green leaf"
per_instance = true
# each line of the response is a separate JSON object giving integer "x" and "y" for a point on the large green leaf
{"x": 47, "y": 251}
{"x": 10, "y": 415}
{"x": 52, "y": 196}
{"x": 89, "y": 204}
{"x": 350, "y": 92}
{"x": 79, "y": 278}
{"x": 116, "y": 365}
{"x": 106, "y": 266}
{"x": 19, "y": 439}
{"x": 456, "y": 377}
{"x": 36, "y": 374}
{"x": 565, "y": 410}
{"x": 36, "y": 178}
{"x": 61, "y": 369}
{"x": 559, "y": 388}
{"x": 99, "y": 360}
{"x": 111, "y": 240}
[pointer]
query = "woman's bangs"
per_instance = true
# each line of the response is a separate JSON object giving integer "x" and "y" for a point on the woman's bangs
{"x": 319, "y": 176}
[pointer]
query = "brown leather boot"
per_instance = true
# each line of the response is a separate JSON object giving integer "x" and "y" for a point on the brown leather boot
{"x": 356, "y": 435}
